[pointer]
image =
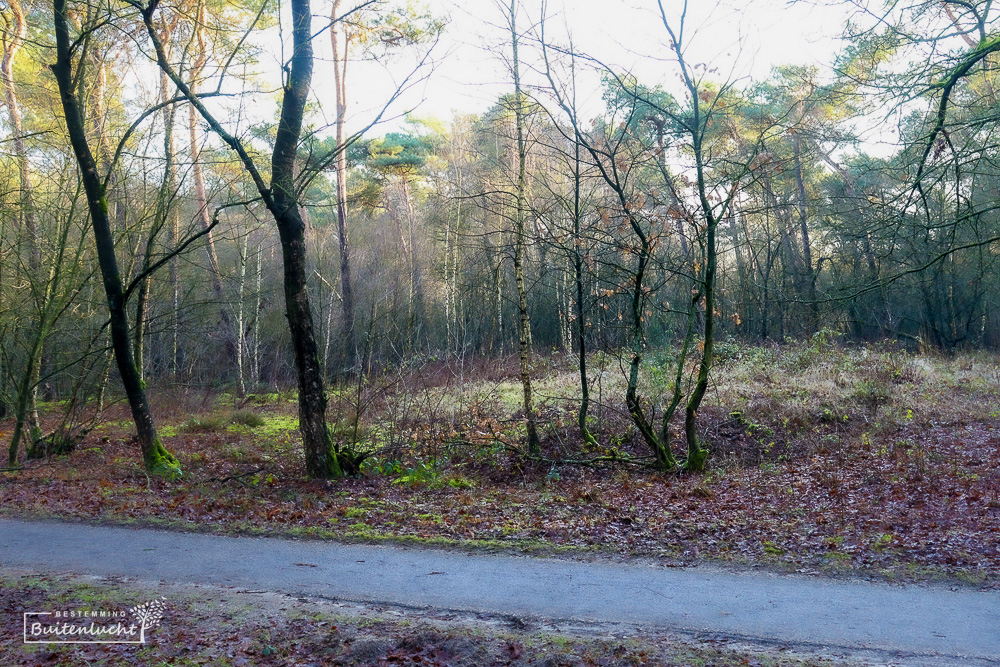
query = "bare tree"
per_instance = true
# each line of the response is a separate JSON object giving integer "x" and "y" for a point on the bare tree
{"x": 519, "y": 107}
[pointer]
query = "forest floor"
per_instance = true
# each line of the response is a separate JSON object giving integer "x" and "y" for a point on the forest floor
{"x": 829, "y": 459}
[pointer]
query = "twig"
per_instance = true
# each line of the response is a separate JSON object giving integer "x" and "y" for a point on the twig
{"x": 236, "y": 478}
{"x": 613, "y": 458}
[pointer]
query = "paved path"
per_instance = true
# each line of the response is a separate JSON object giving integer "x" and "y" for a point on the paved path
{"x": 912, "y": 624}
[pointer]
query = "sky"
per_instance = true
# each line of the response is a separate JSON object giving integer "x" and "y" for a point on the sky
{"x": 742, "y": 40}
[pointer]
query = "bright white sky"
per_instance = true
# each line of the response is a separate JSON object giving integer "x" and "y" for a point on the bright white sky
{"x": 740, "y": 39}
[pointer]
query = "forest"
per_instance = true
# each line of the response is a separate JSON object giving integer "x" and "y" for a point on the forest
{"x": 606, "y": 306}
{"x": 650, "y": 300}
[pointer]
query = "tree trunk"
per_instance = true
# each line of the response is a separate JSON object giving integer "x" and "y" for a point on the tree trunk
{"x": 229, "y": 332}
{"x": 25, "y": 394}
{"x": 497, "y": 334}
{"x": 240, "y": 375}
{"x": 524, "y": 323}
{"x": 321, "y": 456}
{"x": 156, "y": 458}
{"x": 741, "y": 272}
{"x": 162, "y": 213}
{"x": 448, "y": 296}
{"x": 258, "y": 307}
{"x": 340, "y": 54}
{"x": 580, "y": 305}
{"x": 13, "y": 41}
{"x": 416, "y": 286}
{"x": 809, "y": 272}
{"x": 170, "y": 212}
{"x": 696, "y": 455}
{"x": 160, "y": 220}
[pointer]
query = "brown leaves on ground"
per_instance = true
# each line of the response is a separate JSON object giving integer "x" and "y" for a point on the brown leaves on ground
{"x": 932, "y": 502}
{"x": 829, "y": 491}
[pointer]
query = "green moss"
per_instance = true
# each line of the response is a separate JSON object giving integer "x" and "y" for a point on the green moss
{"x": 458, "y": 482}
{"x": 695, "y": 461}
{"x": 263, "y": 399}
{"x": 114, "y": 425}
{"x": 771, "y": 549}
{"x": 161, "y": 463}
{"x": 273, "y": 426}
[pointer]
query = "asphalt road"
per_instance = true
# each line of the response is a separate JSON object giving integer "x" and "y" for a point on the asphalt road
{"x": 904, "y": 624}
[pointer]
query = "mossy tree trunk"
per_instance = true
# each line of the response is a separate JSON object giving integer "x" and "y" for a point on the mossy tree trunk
{"x": 321, "y": 458}
{"x": 156, "y": 458}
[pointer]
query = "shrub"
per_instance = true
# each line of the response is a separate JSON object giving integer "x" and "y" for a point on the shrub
{"x": 203, "y": 423}
{"x": 872, "y": 393}
{"x": 247, "y": 418}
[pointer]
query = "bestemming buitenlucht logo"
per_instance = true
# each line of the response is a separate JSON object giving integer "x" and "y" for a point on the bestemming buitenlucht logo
{"x": 94, "y": 626}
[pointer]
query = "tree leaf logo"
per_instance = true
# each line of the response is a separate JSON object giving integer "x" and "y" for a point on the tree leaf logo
{"x": 148, "y": 615}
